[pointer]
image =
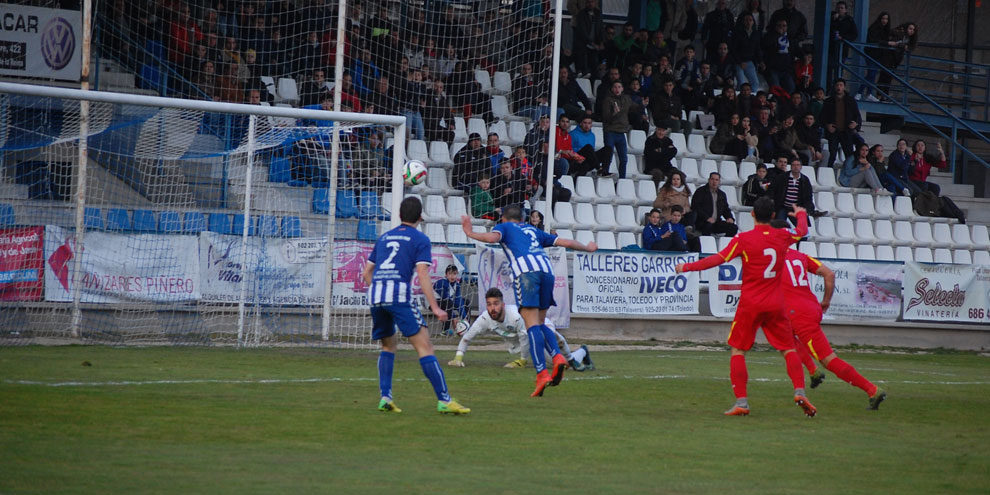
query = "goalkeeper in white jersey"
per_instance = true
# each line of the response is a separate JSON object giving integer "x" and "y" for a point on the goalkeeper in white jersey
{"x": 504, "y": 320}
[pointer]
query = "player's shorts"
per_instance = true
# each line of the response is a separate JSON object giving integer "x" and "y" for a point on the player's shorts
{"x": 774, "y": 323}
{"x": 386, "y": 318}
{"x": 534, "y": 290}
{"x": 807, "y": 327}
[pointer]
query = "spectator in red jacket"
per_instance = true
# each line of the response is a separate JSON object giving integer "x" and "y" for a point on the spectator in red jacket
{"x": 921, "y": 166}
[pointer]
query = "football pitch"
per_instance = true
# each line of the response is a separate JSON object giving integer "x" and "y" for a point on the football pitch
{"x": 203, "y": 420}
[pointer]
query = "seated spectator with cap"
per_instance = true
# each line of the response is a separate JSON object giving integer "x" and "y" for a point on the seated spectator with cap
{"x": 469, "y": 163}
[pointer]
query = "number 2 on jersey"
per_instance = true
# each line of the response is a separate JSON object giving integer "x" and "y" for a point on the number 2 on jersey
{"x": 801, "y": 278}
{"x": 387, "y": 264}
{"x": 772, "y": 253}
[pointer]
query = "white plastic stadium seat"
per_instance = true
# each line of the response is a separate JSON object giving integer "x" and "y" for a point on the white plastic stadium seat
{"x": 809, "y": 248}
{"x": 585, "y": 188}
{"x": 499, "y": 127}
{"x": 455, "y": 235}
{"x": 981, "y": 257}
{"x": 500, "y": 109}
{"x": 885, "y": 207}
{"x": 646, "y": 192}
{"x": 845, "y": 205}
{"x": 605, "y": 189}
{"x": 584, "y": 236}
{"x": 707, "y": 167}
{"x": 605, "y": 216}
{"x": 436, "y": 181}
{"x": 827, "y": 250}
{"x": 624, "y": 239}
{"x": 416, "y": 150}
{"x": 864, "y": 206}
{"x": 696, "y": 145}
{"x": 942, "y": 234}
{"x": 885, "y": 253}
{"x": 824, "y": 230}
{"x": 923, "y": 234}
{"x": 723, "y": 241}
{"x": 434, "y": 209}
{"x": 625, "y": 192}
{"x": 847, "y": 251}
{"x": 730, "y": 173}
{"x": 606, "y": 240}
{"x": 903, "y": 254}
{"x": 435, "y": 232}
{"x": 923, "y": 255}
{"x": 476, "y": 125}
{"x": 864, "y": 230}
{"x": 731, "y": 196}
{"x": 563, "y": 215}
{"x": 288, "y": 91}
{"x": 517, "y": 132}
{"x": 681, "y": 145}
{"x": 745, "y": 222}
{"x": 865, "y": 252}
{"x": 584, "y": 213}
{"x": 943, "y": 255}
{"x": 460, "y": 131}
{"x": 637, "y": 142}
{"x": 484, "y": 80}
{"x": 502, "y": 83}
{"x": 825, "y": 201}
{"x": 708, "y": 244}
{"x": 456, "y": 206}
{"x": 625, "y": 217}
{"x": 845, "y": 231}
{"x": 440, "y": 153}
{"x": 903, "y": 233}
{"x": 980, "y": 237}
{"x": 565, "y": 234}
{"x": 961, "y": 237}
{"x": 962, "y": 257}
{"x": 903, "y": 209}
{"x": 585, "y": 85}
{"x": 746, "y": 169}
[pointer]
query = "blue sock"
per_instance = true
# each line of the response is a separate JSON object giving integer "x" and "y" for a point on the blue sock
{"x": 536, "y": 345}
{"x": 431, "y": 368}
{"x": 386, "y": 360}
{"x": 551, "y": 341}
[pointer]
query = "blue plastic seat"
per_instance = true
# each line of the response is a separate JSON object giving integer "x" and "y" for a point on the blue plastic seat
{"x": 118, "y": 220}
{"x": 370, "y": 206}
{"x": 367, "y": 230}
{"x": 151, "y": 77}
{"x": 220, "y": 223}
{"x": 267, "y": 226}
{"x": 169, "y": 222}
{"x": 346, "y": 204}
{"x": 193, "y": 222}
{"x": 280, "y": 170}
{"x": 93, "y": 218}
{"x": 144, "y": 221}
{"x": 321, "y": 200}
{"x": 7, "y": 215}
{"x": 237, "y": 228}
{"x": 291, "y": 227}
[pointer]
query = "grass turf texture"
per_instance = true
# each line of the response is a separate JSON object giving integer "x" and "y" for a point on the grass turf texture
{"x": 646, "y": 421}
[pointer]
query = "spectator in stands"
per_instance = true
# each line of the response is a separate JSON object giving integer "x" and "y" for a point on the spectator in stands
{"x": 843, "y": 27}
{"x": 439, "y": 119}
{"x": 841, "y": 118}
{"x": 687, "y": 72}
{"x": 413, "y": 51}
{"x": 508, "y": 187}
{"x": 757, "y": 185}
{"x": 309, "y": 55}
{"x": 206, "y": 81}
{"x": 723, "y": 67}
{"x": 793, "y": 188}
{"x": 797, "y": 23}
{"x": 667, "y": 109}
{"x": 615, "y": 125}
{"x": 671, "y": 236}
{"x": 589, "y": 33}
{"x": 482, "y": 203}
{"x": 447, "y": 61}
{"x": 664, "y": 72}
{"x": 377, "y": 174}
{"x": 184, "y": 33}
{"x": 528, "y": 95}
{"x": 779, "y": 167}
{"x": 858, "y": 172}
{"x": 725, "y": 105}
{"x": 683, "y": 23}
{"x": 248, "y": 71}
{"x": 765, "y": 128}
{"x": 229, "y": 87}
{"x": 755, "y": 8}
{"x": 567, "y": 160}
{"x": 624, "y": 44}
{"x": 278, "y": 54}
{"x": 898, "y": 165}
{"x": 903, "y": 38}
{"x": 810, "y": 140}
{"x": 383, "y": 99}
{"x": 778, "y": 55}
{"x": 717, "y": 27}
{"x": 890, "y": 183}
{"x": 817, "y": 103}
{"x": 921, "y": 166}
{"x": 521, "y": 163}
{"x": 365, "y": 71}
{"x": 536, "y": 220}
{"x": 539, "y": 133}
{"x": 747, "y": 51}
{"x": 571, "y": 99}
{"x": 253, "y": 97}
{"x": 470, "y": 162}
{"x": 746, "y": 100}
{"x": 313, "y": 90}
{"x": 711, "y": 206}
{"x": 676, "y": 192}
{"x": 412, "y": 104}
{"x": 793, "y": 105}
{"x": 786, "y": 140}
{"x": 730, "y": 139}
{"x": 658, "y": 154}
{"x": 804, "y": 72}
{"x": 611, "y": 76}
{"x": 658, "y": 47}
{"x": 639, "y": 118}
{"x": 583, "y": 143}
{"x": 878, "y": 44}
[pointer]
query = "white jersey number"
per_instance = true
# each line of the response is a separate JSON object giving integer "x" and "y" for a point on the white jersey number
{"x": 772, "y": 253}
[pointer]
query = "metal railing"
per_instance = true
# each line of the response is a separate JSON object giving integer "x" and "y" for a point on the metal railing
{"x": 907, "y": 105}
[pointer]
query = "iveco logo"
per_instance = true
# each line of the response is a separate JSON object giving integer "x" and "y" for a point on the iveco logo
{"x": 58, "y": 43}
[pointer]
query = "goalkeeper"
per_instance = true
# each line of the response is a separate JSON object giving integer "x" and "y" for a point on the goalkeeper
{"x": 504, "y": 320}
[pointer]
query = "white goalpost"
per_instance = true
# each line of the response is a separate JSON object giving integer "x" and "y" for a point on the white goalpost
{"x": 148, "y": 190}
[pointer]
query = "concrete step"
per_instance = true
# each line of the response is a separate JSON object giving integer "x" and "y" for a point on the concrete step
{"x": 949, "y": 188}
{"x": 268, "y": 197}
{"x": 977, "y": 209}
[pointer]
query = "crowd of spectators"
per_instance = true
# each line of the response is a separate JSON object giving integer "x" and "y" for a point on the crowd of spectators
{"x": 681, "y": 58}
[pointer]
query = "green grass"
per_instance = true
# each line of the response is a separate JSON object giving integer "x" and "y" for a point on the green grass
{"x": 646, "y": 422}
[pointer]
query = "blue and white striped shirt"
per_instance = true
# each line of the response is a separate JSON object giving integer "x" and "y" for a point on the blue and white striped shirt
{"x": 395, "y": 257}
{"x": 523, "y": 245}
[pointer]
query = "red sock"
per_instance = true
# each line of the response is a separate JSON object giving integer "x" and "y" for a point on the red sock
{"x": 739, "y": 375}
{"x": 848, "y": 374}
{"x": 794, "y": 369}
{"x": 805, "y": 355}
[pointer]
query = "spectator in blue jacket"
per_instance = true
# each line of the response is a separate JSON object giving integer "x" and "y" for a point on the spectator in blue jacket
{"x": 448, "y": 291}
{"x": 670, "y": 236}
{"x": 899, "y": 165}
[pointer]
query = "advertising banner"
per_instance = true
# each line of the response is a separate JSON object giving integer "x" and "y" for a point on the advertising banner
{"x": 940, "y": 293}
{"x": 122, "y": 267}
{"x": 863, "y": 291}
{"x": 39, "y": 42}
{"x": 724, "y": 287}
{"x": 22, "y": 264}
{"x": 634, "y": 283}
{"x": 494, "y": 271}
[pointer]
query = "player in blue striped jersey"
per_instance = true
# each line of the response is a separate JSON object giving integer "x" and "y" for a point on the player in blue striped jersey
{"x": 388, "y": 273}
{"x": 534, "y": 280}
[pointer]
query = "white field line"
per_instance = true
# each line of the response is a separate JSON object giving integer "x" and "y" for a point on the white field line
{"x": 280, "y": 381}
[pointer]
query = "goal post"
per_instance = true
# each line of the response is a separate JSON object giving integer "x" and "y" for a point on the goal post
{"x": 146, "y": 184}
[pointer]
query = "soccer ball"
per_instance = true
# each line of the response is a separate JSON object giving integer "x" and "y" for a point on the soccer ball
{"x": 414, "y": 173}
{"x": 462, "y": 327}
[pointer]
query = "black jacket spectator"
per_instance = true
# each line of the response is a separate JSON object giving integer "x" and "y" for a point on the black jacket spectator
{"x": 657, "y": 156}
{"x": 569, "y": 94}
{"x": 797, "y": 23}
{"x": 778, "y": 190}
{"x": 469, "y": 163}
{"x": 665, "y": 107}
{"x": 703, "y": 206}
{"x": 745, "y": 47}
{"x": 717, "y": 26}
{"x": 508, "y": 190}
{"x": 755, "y": 188}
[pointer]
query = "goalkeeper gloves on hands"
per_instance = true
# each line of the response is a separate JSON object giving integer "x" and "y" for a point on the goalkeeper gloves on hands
{"x": 456, "y": 362}
{"x": 518, "y": 363}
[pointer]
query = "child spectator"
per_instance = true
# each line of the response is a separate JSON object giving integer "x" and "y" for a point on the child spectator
{"x": 756, "y": 185}
{"x": 482, "y": 204}
{"x": 667, "y": 237}
{"x": 448, "y": 291}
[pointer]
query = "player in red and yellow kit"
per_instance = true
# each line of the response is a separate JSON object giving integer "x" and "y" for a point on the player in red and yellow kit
{"x": 760, "y": 304}
{"x": 805, "y": 313}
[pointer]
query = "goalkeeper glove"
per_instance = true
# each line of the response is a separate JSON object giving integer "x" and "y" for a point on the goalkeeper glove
{"x": 456, "y": 362}
{"x": 518, "y": 363}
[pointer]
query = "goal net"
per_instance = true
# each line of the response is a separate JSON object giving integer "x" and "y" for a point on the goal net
{"x": 197, "y": 227}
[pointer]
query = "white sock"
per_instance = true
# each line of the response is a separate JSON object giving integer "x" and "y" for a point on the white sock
{"x": 578, "y": 355}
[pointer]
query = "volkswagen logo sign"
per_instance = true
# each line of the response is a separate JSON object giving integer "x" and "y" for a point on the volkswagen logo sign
{"x": 58, "y": 43}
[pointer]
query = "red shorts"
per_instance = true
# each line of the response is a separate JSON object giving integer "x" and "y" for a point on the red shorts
{"x": 807, "y": 327}
{"x": 775, "y": 326}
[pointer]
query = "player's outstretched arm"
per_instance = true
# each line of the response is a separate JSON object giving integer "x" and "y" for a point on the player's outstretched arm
{"x": 829, "y": 276}
{"x": 801, "y": 227}
{"x": 572, "y": 244}
{"x": 486, "y": 237}
{"x": 423, "y": 270}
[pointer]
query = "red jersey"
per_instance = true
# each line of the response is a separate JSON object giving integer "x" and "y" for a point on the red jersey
{"x": 763, "y": 250}
{"x": 796, "y": 286}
